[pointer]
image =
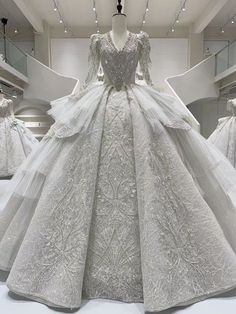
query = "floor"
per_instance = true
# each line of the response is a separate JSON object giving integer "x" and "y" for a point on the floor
{"x": 10, "y": 305}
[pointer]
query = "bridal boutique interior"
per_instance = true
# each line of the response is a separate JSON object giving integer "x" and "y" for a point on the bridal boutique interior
{"x": 53, "y": 96}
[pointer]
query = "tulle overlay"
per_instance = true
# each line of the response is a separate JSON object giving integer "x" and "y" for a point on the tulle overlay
{"x": 121, "y": 200}
{"x": 224, "y": 138}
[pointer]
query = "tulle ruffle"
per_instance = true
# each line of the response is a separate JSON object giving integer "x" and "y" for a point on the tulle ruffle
{"x": 73, "y": 114}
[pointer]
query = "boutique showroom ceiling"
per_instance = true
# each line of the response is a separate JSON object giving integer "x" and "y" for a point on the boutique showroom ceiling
{"x": 78, "y": 17}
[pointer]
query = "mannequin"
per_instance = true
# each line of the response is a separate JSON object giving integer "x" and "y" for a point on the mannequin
{"x": 119, "y": 32}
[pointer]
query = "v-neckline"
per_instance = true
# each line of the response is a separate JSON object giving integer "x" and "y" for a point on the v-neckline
{"x": 113, "y": 44}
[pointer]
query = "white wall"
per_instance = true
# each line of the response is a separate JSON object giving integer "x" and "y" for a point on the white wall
{"x": 169, "y": 57}
{"x": 70, "y": 56}
{"x": 207, "y": 112}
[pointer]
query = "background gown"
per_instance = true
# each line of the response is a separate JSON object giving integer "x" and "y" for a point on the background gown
{"x": 224, "y": 136}
{"x": 16, "y": 141}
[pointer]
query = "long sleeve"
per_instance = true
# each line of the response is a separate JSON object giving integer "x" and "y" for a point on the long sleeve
{"x": 94, "y": 59}
{"x": 144, "y": 57}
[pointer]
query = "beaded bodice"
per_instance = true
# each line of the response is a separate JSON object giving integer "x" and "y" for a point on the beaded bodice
{"x": 5, "y": 108}
{"x": 119, "y": 66}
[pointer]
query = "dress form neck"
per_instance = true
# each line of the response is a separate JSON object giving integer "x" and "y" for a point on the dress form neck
{"x": 119, "y": 32}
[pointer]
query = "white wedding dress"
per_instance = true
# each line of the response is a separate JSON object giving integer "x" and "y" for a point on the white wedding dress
{"x": 224, "y": 136}
{"x": 16, "y": 141}
{"x": 122, "y": 199}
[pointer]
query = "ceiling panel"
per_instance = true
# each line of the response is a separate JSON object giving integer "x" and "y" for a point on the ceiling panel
{"x": 15, "y": 17}
{"x": 225, "y": 14}
{"x": 78, "y": 14}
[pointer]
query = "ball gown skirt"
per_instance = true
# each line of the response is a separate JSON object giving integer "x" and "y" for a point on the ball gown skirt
{"x": 121, "y": 200}
{"x": 16, "y": 142}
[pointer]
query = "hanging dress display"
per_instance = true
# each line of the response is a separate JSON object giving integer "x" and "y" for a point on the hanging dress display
{"x": 16, "y": 141}
{"x": 122, "y": 199}
{"x": 224, "y": 136}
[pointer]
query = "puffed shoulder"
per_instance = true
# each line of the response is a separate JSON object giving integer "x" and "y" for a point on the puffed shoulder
{"x": 95, "y": 37}
{"x": 143, "y": 36}
{"x": 143, "y": 39}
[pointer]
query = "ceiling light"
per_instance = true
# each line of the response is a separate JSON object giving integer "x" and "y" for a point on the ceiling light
{"x": 98, "y": 31}
{"x": 177, "y": 21}
{"x": 147, "y": 9}
{"x": 232, "y": 21}
{"x": 172, "y": 29}
{"x": 144, "y": 21}
{"x": 65, "y": 30}
{"x": 222, "y": 30}
{"x": 94, "y": 9}
{"x": 183, "y": 8}
{"x": 55, "y": 9}
{"x": 60, "y": 21}
{"x": 16, "y": 31}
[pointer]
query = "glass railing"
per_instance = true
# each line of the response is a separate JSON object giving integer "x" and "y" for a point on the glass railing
{"x": 225, "y": 58}
{"x": 12, "y": 55}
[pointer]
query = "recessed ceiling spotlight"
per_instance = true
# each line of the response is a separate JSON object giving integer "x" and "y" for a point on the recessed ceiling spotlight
{"x": 65, "y": 30}
{"x": 16, "y": 31}
{"x": 232, "y": 21}
{"x": 177, "y": 21}
{"x": 222, "y": 30}
{"x": 60, "y": 21}
{"x": 147, "y": 9}
{"x": 172, "y": 29}
{"x": 183, "y": 8}
{"x": 55, "y": 8}
{"x": 94, "y": 9}
{"x": 98, "y": 31}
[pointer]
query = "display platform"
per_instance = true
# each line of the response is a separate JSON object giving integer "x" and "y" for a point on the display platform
{"x": 220, "y": 305}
